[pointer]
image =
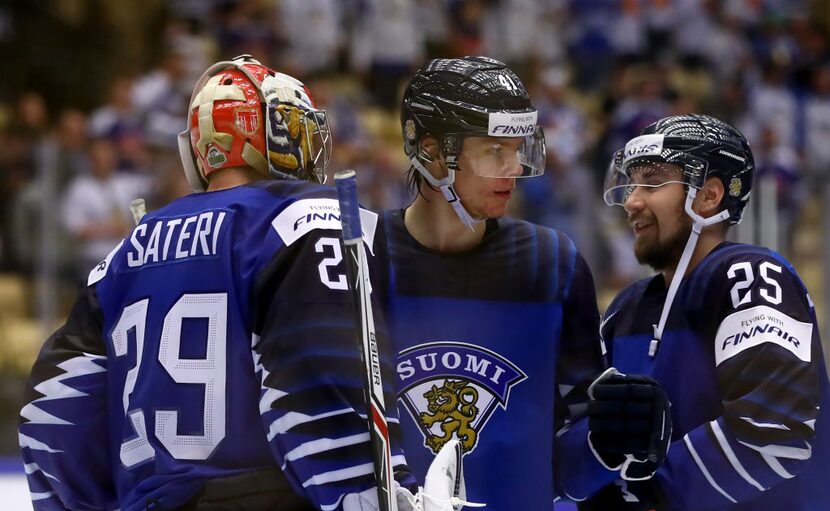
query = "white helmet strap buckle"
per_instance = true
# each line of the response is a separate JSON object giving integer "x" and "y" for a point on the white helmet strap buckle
{"x": 447, "y": 189}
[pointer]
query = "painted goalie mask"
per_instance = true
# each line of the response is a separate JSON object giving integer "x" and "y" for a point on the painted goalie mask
{"x": 243, "y": 114}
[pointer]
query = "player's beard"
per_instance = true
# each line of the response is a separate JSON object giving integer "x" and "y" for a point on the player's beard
{"x": 661, "y": 255}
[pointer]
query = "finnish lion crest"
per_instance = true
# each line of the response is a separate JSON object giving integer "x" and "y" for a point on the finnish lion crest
{"x": 453, "y": 405}
{"x": 451, "y": 389}
{"x": 735, "y": 187}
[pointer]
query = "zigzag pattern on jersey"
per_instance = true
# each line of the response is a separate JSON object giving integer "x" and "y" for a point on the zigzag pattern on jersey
{"x": 54, "y": 388}
{"x": 268, "y": 395}
{"x": 287, "y": 421}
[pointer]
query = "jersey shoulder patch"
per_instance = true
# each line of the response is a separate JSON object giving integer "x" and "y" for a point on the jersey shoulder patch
{"x": 306, "y": 215}
{"x": 750, "y": 327}
{"x": 101, "y": 269}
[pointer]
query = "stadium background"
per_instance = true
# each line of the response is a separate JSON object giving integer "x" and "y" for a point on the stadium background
{"x": 94, "y": 92}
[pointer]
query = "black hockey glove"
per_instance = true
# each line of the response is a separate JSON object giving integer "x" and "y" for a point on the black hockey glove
{"x": 629, "y": 423}
{"x": 626, "y": 496}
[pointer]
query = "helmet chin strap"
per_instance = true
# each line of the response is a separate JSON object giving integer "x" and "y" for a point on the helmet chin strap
{"x": 698, "y": 223}
{"x": 447, "y": 189}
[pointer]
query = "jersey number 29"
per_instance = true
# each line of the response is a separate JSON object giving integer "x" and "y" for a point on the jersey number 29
{"x": 208, "y": 372}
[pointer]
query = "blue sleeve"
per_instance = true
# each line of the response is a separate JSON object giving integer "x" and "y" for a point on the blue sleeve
{"x": 306, "y": 356}
{"x": 768, "y": 357}
{"x": 63, "y": 426}
{"x": 577, "y": 472}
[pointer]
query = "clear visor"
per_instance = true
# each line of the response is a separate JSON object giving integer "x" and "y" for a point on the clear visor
{"x": 506, "y": 157}
{"x": 621, "y": 180}
{"x": 298, "y": 141}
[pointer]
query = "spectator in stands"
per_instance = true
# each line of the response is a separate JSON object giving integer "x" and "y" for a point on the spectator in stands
{"x": 95, "y": 209}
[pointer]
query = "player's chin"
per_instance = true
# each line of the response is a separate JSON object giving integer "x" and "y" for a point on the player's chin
{"x": 496, "y": 210}
{"x": 642, "y": 248}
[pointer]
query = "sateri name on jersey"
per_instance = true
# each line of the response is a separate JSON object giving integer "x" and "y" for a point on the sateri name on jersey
{"x": 167, "y": 239}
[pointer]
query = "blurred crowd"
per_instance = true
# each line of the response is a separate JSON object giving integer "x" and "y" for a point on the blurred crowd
{"x": 100, "y": 90}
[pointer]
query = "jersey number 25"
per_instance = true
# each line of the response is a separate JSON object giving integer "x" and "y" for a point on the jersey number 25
{"x": 770, "y": 292}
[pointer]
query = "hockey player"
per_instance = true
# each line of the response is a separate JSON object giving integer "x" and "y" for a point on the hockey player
{"x": 210, "y": 362}
{"x": 495, "y": 320}
{"x": 728, "y": 329}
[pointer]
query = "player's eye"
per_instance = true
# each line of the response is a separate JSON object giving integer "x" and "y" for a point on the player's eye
{"x": 494, "y": 150}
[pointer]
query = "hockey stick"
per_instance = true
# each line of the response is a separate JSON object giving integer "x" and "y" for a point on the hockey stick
{"x": 138, "y": 208}
{"x": 358, "y": 272}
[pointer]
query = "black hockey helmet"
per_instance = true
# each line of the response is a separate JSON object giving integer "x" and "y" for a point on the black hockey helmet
{"x": 701, "y": 145}
{"x": 451, "y": 99}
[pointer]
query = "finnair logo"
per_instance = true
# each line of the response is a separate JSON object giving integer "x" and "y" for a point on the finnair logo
{"x": 644, "y": 145}
{"x": 502, "y": 124}
{"x": 306, "y": 215}
{"x": 748, "y": 328}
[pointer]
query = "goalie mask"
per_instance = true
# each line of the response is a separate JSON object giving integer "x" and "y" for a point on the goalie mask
{"x": 452, "y": 99}
{"x": 701, "y": 145}
{"x": 243, "y": 114}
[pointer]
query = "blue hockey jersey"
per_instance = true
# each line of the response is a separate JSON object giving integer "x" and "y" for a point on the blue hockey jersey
{"x": 496, "y": 347}
{"x": 742, "y": 363}
{"x": 216, "y": 340}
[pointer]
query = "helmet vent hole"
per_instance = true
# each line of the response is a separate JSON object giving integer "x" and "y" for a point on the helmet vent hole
{"x": 228, "y": 81}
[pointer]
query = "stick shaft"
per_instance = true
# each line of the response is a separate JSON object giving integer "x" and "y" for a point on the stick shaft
{"x": 359, "y": 285}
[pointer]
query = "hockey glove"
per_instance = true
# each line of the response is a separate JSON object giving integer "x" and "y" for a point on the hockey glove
{"x": 626, "y": 496}
{"x": 629, "y": 424}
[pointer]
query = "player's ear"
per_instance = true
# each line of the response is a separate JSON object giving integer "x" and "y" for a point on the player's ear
{"x": 430, "y": 153}
{"x": 708, "y": 200}
{"x": 428, "y": 147}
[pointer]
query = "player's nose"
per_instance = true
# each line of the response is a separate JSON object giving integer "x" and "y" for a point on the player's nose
{"x": 511, "y": 168}
{"x": 634, "y": 200}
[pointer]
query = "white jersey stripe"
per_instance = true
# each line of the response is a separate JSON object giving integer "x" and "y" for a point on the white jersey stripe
{"x": 41, "y": 495}
{"x": 705, "y": 472}
{"x": 322, "y": 445}
{"x": 783, "y": 451}
{"x": 347, "y": 473}
{"x": 35, "y": 445}
{"x": 389, "y": 420}
{"x": 31, "y": 468}
{"x": 332, "y": 507}
{"x": 564, "y": 390}
{"x": 268, "y": 398}
{"x": 770, "y": 425}
{"x": 291, "y": 419}
{"x": 730, "y": 455}
{"x": 777, "y": 467}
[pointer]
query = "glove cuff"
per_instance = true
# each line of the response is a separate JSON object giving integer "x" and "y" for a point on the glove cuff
{"x": 611, "y": 461}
